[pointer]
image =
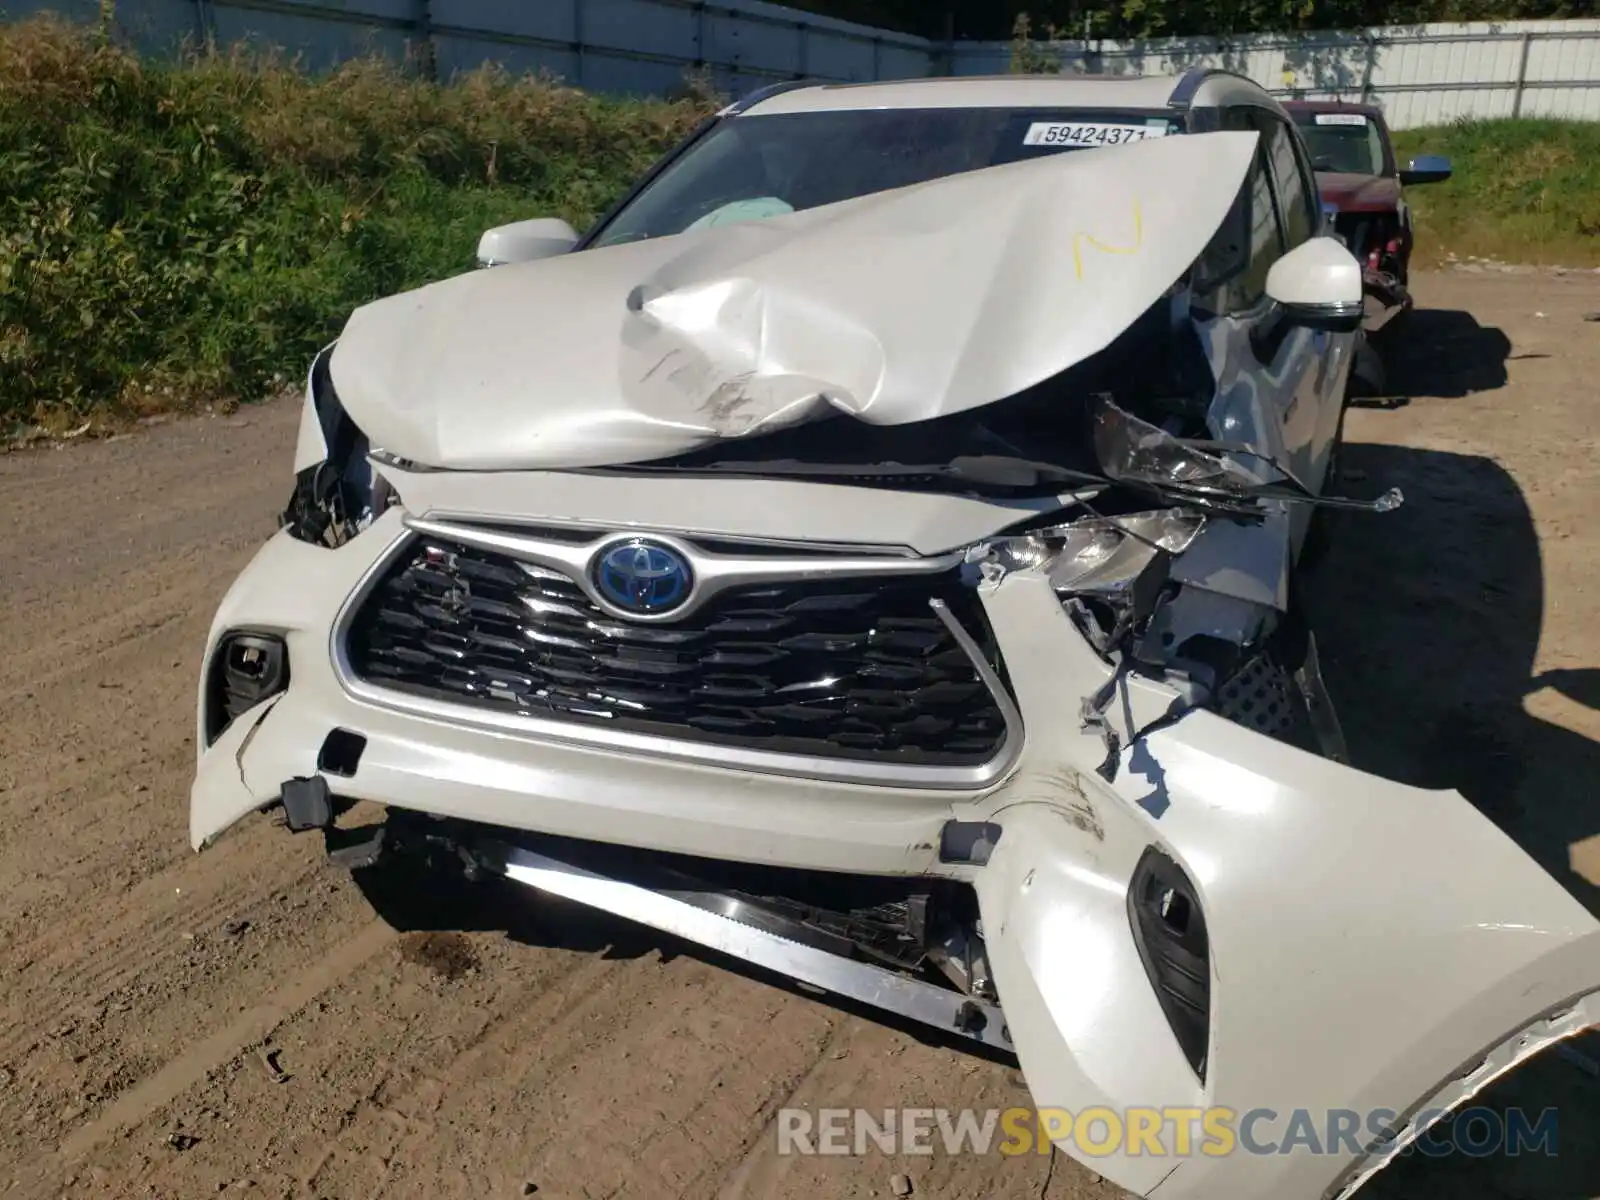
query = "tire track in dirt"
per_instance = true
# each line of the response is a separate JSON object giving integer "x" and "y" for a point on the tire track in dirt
{"x": 160, "y": 929}
{"x": 108, "y": 985}
{"x": 188, "y": 1068}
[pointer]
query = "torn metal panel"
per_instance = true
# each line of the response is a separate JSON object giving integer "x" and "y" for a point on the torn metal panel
{"x": 1246, "y": 559}
{"x": 892, "y": 308}
{"x": 1197, "y": 612}
{"x": 1132, "y": 450}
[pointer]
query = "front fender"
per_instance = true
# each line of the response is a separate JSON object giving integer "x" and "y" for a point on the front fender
{"x": 1372, "y": 947}
{"x": 314, "y": 438}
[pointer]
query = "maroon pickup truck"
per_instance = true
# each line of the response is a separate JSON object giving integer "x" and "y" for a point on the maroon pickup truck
{"x": 1361, "y": 187}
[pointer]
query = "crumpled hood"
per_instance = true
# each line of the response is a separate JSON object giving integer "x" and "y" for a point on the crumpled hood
{"x": 892, "y": 308}
{"x": 1358, "y": 193}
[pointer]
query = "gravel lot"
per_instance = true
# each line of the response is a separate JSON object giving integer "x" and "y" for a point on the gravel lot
{"x": 175, "y": 1025}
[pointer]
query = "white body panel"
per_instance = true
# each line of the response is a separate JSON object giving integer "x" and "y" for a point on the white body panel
{"x": 893, "y": 308}
{"x": 1372, "y": 946}
{"x": 1126, "y": 92}
{"x": 1372, "y": 942}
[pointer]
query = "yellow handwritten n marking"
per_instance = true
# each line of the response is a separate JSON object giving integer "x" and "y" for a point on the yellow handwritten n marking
{"x": 1079, "y": 238}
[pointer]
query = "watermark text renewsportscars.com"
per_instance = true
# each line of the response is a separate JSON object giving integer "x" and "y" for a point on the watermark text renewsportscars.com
{"x": 1158, "y": 1132}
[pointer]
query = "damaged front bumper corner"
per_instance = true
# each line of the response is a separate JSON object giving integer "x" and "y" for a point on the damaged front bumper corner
{"x": 1368, "y": 946}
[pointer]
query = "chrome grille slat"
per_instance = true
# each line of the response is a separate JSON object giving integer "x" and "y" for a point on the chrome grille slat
{"x": 848, "y": 668}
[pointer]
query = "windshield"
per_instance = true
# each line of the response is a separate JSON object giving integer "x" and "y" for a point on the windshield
{"x": 749, "y": 168}
{"x": 1348, "y": 142}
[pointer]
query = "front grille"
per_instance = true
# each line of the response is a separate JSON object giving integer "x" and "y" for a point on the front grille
{"x": 848, "y": 669}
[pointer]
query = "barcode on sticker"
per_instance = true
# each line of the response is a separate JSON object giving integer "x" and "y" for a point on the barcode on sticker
{"x": 1088, "y": 133}
{"x": 1340, "y": 119}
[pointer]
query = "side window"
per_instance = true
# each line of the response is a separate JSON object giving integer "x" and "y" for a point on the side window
{"x": 1374, "y": 144}
{"x": 1266, "y": 239}
{"x": 1296, "y": 191}
{"x": 1234, "y": 268}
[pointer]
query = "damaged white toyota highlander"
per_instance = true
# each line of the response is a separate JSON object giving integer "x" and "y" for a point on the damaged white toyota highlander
{"x": 870, "y": 552}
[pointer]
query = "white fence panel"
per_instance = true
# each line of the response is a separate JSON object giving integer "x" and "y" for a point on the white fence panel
{"x": 1422, "y": 75}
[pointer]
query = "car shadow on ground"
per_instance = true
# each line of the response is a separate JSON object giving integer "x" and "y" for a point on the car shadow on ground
{"x": 1430, "y": 615}
{"x": 1428, "y": 622}
{"x": 1437, "y": 352}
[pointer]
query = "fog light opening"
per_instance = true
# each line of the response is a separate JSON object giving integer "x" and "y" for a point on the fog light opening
{"x": 246, "y": 669}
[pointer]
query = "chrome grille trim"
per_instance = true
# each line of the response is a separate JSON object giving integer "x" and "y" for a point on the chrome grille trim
{"x": 800, "y": 766}
{"x": 713, "y": 573}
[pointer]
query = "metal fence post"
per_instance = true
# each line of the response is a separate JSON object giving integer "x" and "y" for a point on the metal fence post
{"x": 577, "y": 42}
{"x": 1522, "y": 75}
{"x": 203, "y": 31}
{"x": 877, "y": 59}
{"x": 800, "y": 29}
{"x": 424, "y": 60}
{"x": 1374, "y": 40}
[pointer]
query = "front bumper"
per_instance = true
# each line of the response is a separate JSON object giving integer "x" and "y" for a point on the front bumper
{"x": 1371, "y": 944}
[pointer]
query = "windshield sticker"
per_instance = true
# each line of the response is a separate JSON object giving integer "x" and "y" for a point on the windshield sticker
{"x": 1088, "y": 133}
{"x": 1341, "y": 119}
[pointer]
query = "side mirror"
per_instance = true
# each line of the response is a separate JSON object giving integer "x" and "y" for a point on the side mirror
{"x": 525, "y": 241}
{"x": 1318, "y": 284}
{"x": 1426, "y": 168}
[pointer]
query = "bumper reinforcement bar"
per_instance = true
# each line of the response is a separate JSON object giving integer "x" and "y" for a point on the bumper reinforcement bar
{"x": 865, "y": 983}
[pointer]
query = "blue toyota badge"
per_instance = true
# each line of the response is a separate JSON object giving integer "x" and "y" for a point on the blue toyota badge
{"x": 643, "y": 577}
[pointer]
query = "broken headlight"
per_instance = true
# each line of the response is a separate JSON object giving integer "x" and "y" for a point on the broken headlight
{"x": 1109, "y": 572}
{"x": 1096, "y": 555}
{"x": 338, "y": 497}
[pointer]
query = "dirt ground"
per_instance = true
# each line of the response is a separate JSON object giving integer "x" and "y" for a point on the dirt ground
{"x": 177, "y": 1025}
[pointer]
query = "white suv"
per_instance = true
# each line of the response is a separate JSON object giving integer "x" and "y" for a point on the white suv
{"x": 869, "y": 552}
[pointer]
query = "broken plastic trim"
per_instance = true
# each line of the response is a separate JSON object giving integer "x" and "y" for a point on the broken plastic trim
{"x": 1551, "y": 1029}
{"x": 246, "y": 668}
{"x": 1122, "y": 563}
{"x": 335, "y": 499}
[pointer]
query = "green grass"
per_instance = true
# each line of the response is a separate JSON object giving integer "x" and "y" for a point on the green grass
{"x": 179, "y": 234}
{"x": 1522, "y": 191}
{"x": 174, "y": 234}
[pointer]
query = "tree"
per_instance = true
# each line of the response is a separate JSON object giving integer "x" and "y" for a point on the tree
{"x": 996, "y": 19}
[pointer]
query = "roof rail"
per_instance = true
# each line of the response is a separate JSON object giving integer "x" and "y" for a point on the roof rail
{"x": 751, "y": 99}
{"x": 1183, "y": 95}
